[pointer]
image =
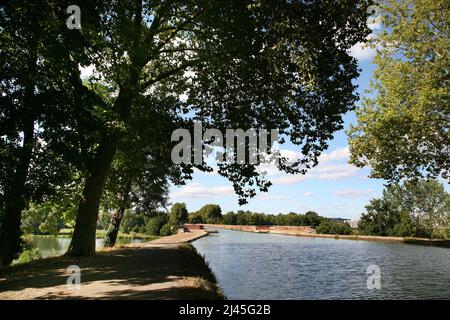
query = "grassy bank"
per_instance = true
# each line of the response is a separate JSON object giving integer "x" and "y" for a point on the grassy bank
{"x": 146, "y": 272}
{"x": 195, "y": 263}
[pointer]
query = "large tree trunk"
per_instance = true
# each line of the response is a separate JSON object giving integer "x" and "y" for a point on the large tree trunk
{"x": 116, "y": 217}
{"x": 10, "y": 233}
{"x": 114, "y": 225}
{"x": 83, "y": 239}
{"x": 10, "y": 242}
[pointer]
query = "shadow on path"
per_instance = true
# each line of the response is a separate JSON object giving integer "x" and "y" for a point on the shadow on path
{"x": 173, "y": 272}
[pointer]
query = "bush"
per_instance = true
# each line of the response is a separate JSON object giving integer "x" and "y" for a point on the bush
{"x": 28, "y": 255}
{"x": 328, "y": 226}
{"x": 167, "y": 230}
{"x": 154, "y": 225}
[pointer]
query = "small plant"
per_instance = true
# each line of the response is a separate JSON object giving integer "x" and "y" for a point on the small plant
{"x": 28, "y": 255}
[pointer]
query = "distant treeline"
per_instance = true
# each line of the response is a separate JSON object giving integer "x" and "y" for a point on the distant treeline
{"x": 162, "y": 223}
{"x": 241, "y": 217}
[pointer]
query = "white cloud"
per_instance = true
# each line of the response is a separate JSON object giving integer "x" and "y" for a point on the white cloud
{"x": 265, "y": 197}
{"x": 332, "y": 166}
{"x": 352, "y": 193}
{"x": 195, "y": 190}
{"x": 290, "y": 179}
{"x": 338, "y": 154}
{"x": 309, "y": 194}
{"x": 361, "y": 51}
{"x": 334, "y": 171}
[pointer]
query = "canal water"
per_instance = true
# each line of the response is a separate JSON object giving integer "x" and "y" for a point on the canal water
{"x": 267, "y": 266}
{"x": 50, "y": 247}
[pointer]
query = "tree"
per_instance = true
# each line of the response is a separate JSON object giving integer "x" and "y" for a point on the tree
{"x": 404, "y": 122}
{"x": 209, "y": 213}
{"x": 154, "y": 225}
{"x": 178, "y": 215}
{"x": 142, "y": 167}
{"x": 33, "y": 67}
{"x": 229, "y": 218}
{"x": 312, "y": 219}
{"x": 379, "y": 219}
{"x": 265, "y": 58}
{"x": 418, "y": 208}
{"x": 240, "y": 64}
{"x": 328, "y": 226}
{"x": 132, "y": 222}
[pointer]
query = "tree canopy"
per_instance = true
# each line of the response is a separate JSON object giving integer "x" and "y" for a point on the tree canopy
{"x": 161, "y": 65}
{"x": 403, "y": 128}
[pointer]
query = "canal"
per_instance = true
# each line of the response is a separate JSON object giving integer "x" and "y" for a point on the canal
{"x": 268, "y": 266}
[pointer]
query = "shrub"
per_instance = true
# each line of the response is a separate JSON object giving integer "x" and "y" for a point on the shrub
{"x": 328, "y": 226}
{"x": 28, "y": 255}
{"x": 167, "y": 230}
{"x": 154, "y": 224}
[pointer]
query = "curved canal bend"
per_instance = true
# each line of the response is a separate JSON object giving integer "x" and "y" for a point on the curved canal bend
{"x": 268, "y": 266}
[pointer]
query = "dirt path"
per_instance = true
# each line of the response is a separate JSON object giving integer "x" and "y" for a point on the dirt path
{"x": 160, "y": 269}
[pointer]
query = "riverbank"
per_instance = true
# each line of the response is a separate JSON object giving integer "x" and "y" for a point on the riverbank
{"x": 166, "y": 268}
{"x": 304, "y": 231}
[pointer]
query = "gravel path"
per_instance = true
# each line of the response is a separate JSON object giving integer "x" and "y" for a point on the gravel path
{"x": 159, "y": 269}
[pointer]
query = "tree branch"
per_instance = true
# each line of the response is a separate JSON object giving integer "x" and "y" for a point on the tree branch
{"x": 169, "y": 73}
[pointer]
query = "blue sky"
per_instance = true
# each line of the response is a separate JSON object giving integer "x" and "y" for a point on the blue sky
{"x": 333, "y": 189}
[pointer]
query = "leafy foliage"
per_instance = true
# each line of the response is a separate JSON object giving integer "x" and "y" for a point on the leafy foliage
{"x": 209, "y": 213}
{"x": 240, "y": 64}
{"x": 404, "y": 122}
{"x": 418, "y": 208}
{"x": 310, "y": 218}
{"x": 328, "y": 226}
{"x": 178, "y": 215}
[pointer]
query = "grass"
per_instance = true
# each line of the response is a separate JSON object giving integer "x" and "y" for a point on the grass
{"x": 193, "y": 262}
